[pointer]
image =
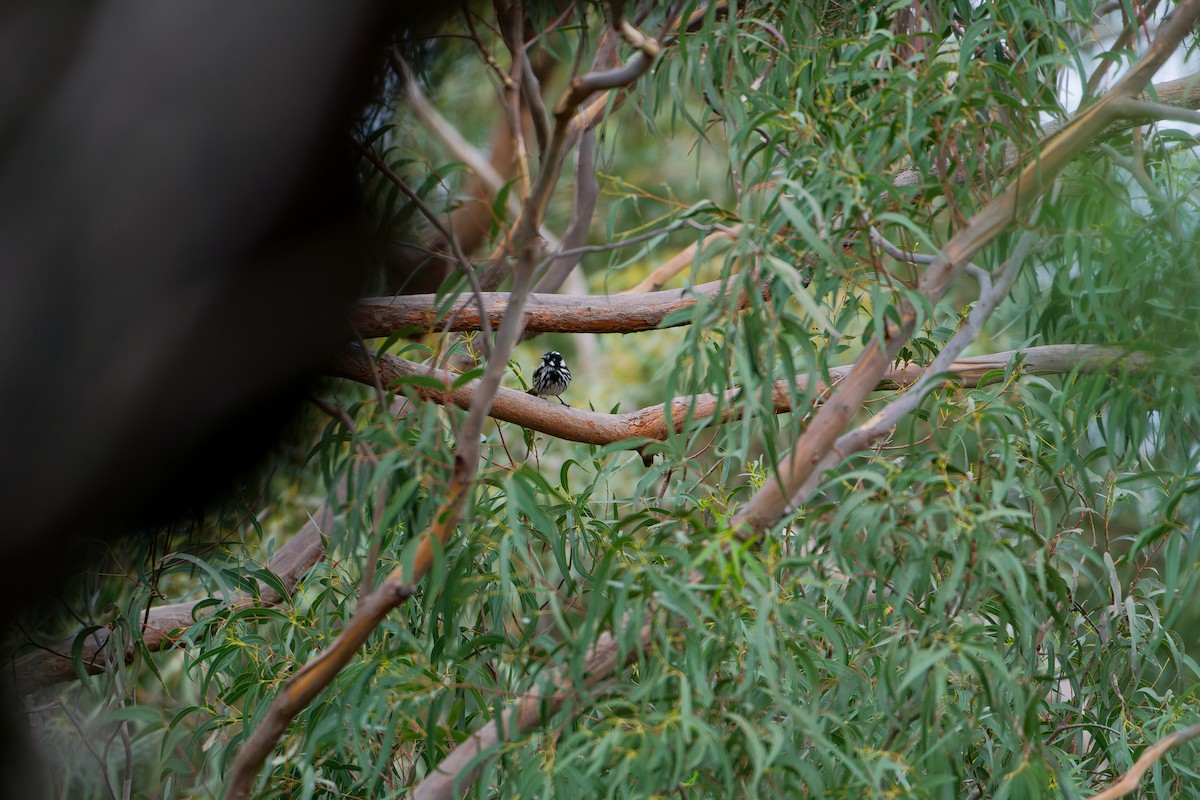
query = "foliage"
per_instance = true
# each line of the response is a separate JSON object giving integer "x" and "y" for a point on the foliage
{"x": 997, "y": 601}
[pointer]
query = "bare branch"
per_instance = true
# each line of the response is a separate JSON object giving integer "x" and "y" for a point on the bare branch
{"x": 449, "y": 136}
{"x": 1128, "y": 783}
{"x": 942, "y": 367}
{"x": 1141, "y": 111}
{"x": 544, "y": 313}
{"x": 451, "y": 241}
{"x": 1182, "y": 93}
{"x": 587, "y": 191}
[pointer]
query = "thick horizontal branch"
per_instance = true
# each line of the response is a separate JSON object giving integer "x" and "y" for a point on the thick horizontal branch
{"x": 544, "y": 313}
{"x": 594, "y": 427}
{"x": 49, "y": 665}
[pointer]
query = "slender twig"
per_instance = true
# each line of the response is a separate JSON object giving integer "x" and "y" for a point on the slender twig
{"x": 1137, "y": 169}
{"x": 1128, "y": 782}
{"x": 376, "y": 382}
{"x": 339, "y": 414}
{"x": 1135, "y": 110}
{"x": 531, "y": 90}
{"x": 943, "y": 366}
{"x": 514, "y": 37}
{"x": 587, "y": 191}
{"x": 86, "y": 740}
{"x": 678, "y": 225}
{"x": 48, "y": 666}
{"x": 1122, "y": 41}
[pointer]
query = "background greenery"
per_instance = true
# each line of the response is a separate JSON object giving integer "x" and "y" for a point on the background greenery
{"x": 998, "y": 601}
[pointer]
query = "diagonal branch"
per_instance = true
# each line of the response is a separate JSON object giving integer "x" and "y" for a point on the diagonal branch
{"x": 990, "y": 295}
{"x": 455, "y": 774}
{"x": 587, "y": 192}
{"x": 682, "y": 260}
{"x": 451, "y": 239}
{"x": 773, "y": 499}
{"x": 1128, "y": 783}
{"x": 1182, "y": 95}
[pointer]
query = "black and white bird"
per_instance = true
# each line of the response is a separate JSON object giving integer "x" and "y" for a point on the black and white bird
{"x": 552, "y": 378}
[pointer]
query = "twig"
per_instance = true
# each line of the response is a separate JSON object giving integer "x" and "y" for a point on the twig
{"x": 398, "y": 586}
{"x": 1121, "y": 42}
{"x": 587, "y": 191}
{"x": 48, "y": 666}
{"x": 1182, "y": 93}
{"x": 1128, "y": 783}
{"x": 1137, "y": 169}
{"x": 531, "y": 90}
{"x": 682, "y": 260}
{"x": 451, "y": 241}
{"x": 1136, "y": 111}
{"x": 990, "y": 296}
{"x": 376, "y": 382}
{"x": 339, "y": 414}
{"x": 678, "y": 225}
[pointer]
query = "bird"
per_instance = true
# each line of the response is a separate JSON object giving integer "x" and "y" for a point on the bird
{"x": 552, "y": 378}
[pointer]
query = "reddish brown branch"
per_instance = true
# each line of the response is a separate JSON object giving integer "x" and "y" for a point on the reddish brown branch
{"x": 681, "y": 261}
{"x": 544, "y": 313}
{"x": 594, "y": 427}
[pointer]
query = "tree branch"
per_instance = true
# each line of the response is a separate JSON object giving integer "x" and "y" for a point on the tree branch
{"x": 544, "y": 313}
{"x": 455, "y": 774}
{"x": 1182, "y": 94}
{"x": 1128, "y": 783}
{"x": 593, "y": 427}
{"x": 681, "y": 261}
{"x": 587, "y": 192}
{"x": 990, "y": 295}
